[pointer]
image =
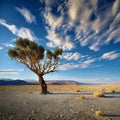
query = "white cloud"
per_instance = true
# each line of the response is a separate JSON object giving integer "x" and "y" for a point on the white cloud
{"x": 82, "y": 22}
{"x": 74, "y": 7}
{"x": 110, "y": 55}
{"x": 115, "y": 7}
{"x": 114, "y": 35}
{"x": 10, "y": 72}
{"x": 59, "y": 40}
{"x": 50, "y": 44}
{"x": 82, "y": 65}
{"x": 8, "y": 44}
{"x": 52, "y": 20}
{"x": 54, "y": 38}
{"x": 89, "y": 61}
{"x": 3, "y": 73}
{"x": 48, "y": 2}
{"x": 1, "y": 47}
{"x": 68, "y": 66}
{"x": 55, "y": 24}
{"x": 26, "y": 33}
{"x": 22, "y": 32}
{"x": 71, "y": 56}
{"x": 26, "y": 14}
{"x": 95, "y": 46}
{"x": 115, "y": 22}
{"x": 12, "y": 28}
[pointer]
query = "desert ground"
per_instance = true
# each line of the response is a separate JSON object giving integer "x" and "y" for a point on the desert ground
{"x": 64, "y": 102}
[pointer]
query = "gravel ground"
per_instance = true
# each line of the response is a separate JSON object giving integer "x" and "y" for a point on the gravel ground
{"x": 31, "y": 105}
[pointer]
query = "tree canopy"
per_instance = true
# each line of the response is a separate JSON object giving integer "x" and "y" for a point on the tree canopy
{"x": 35, "y": 57}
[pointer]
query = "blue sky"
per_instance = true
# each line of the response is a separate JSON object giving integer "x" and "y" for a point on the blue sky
{"x": 88, "y": 31}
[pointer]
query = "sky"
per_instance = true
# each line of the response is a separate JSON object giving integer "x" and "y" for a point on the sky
{"x": 88, "y": 31}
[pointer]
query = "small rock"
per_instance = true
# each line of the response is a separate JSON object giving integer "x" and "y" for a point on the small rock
{"x": 61, "y": 115}
{"x": 32, "y": 118}
{"x": 25, "y": 103}
{"x": 33, "y": 112}
{"x": 11, "y": 117}
{"x": 71, "y": 111}
{"x": 48, "y": 117}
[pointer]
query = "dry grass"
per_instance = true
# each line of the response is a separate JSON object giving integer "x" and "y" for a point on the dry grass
{"x": 98, "y": 94}
{"x": 98, "y": 113}
{"x": 72, "y": 88}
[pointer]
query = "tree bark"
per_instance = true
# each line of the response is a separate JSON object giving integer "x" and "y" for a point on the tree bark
{"x": 43, "y": 85}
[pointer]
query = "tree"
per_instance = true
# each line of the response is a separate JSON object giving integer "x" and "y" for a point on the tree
{"x": 35, "y": 57}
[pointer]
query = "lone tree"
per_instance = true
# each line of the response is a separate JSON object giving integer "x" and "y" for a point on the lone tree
{"x": 35, "y": 57}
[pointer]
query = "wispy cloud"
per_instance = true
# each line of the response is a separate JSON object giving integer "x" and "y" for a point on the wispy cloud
{"x": 73, "y": 10}
{"x": 22, "y": 32}
{"x": 72, "y": 56}
{"x": 115, "y": 7}
{"x": 110, "y": 55}
{"x": 91, "y": 23}
{"x": 82, "y": 65}
{"x": 8, "y": 44}
{"x": 10, "y": 71}
{"x": 50, "y": 44}
{"x": 56, "y": 30}
{"x": 26, "y": 14}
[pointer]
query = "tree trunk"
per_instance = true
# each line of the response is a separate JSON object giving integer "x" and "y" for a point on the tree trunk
{"x": 43, "y": 85}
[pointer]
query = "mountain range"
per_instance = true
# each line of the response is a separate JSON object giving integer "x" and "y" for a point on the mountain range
{"x": 34, "y": 82}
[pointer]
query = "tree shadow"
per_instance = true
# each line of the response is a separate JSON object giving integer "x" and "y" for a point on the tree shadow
{"x": 112, "y": 95}
{"x": 115, "y": 93}
{"x": 70, "y": 93}
{"x": 112, "y": 115}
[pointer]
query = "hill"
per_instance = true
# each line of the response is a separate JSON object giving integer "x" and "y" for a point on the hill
{"x": 13, "y": 82}
{"x": 33, "y": 82}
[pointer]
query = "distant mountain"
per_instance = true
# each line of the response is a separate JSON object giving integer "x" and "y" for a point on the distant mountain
{"x": 65, "y": 82}
{"x": 13, "y": 82}
{"x": 6, "y": 79}
{"x": 33, "y": 82}
{"x": 61, "y": 82}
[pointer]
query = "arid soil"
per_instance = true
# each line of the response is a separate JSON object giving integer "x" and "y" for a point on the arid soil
{"x": 63, "y": 103}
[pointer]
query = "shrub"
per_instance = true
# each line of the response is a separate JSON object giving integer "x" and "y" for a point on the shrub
{"x": 98, "y": 113}
{"x": 98, "y": 94}
{"x": 77, "y": 90}
{"x": 111, "y": 91}
{"x": 82, "y": 97}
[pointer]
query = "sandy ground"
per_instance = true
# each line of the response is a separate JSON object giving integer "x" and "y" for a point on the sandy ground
{"x": 64, "y": 103}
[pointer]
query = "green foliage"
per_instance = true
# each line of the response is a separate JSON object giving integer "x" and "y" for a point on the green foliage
{"x": 49, "y": 54}
{"x": 12, "y": 53}
{"x": 26, "y": 50}
{"x": 31, "y": 54}
{"x": 57, "y": 53}
{"x": 22, "y": 43}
